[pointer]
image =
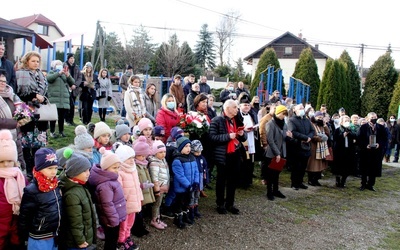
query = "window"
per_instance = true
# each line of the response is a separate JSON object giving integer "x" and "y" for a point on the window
{"x": 288, "y": 50}
{"x": 43, "y": 30}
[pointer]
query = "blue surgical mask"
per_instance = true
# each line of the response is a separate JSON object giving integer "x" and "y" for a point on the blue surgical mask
{"x": 59, "y": 67}
{"x": 300, "y": 112}
{"x": 171, "y": 105}
{"x": 230, "y": 88}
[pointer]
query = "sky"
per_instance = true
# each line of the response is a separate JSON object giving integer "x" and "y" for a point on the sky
{"x": 334, "y": 25}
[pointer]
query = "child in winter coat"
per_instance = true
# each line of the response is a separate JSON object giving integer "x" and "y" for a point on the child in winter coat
{"x": 79, "y": 220}
{"x": 41, "y": 205}
{"x": 109, "y": 196}
{"x": 122, "y": 135}
{"x": 128, "y": 177}
{"x": 159, "y": 173}
{"x": 186, "y": 180}
{"x": 101, "y": 135}
{"x": 196, "y": 149}
{"x": 12, "y": 183}
{"x": 142, "y": 151}
{"x": 146, "y": 129}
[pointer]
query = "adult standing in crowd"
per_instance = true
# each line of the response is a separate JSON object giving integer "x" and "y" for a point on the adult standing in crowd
{"x": 211, "y": 111}
{"x": 134, "y": 101}
{"x": 227, "y": 134}
{"x": 60, "y": 80}
{"x": 167, "y": 115}
{"x": 88, "y": 94}
{"x": 319, "y": 149}
{"x": 204, "y": 87}
{"x": 240, "y": 88}
{"x": 103, "y": 93}
{"x": 151, "y": 101}
{"x": 195, "y": 91}
{"x": 176, "y": 89}
{"x": 276, "y": 97}
{"x": 32, "y": 89}
{"x": 396, "y": 152}
{"x": 270, "y": 108}
{"x": 188, "y": 85}
{"x": 8, "y": 66}
{"x": 75, "y": 72}
{"x": 344, "y": 151}
{"x": 391, "y": 125}
{"x": 227, "y": 93}
{"x": 124, "y": 83}
{"x": 302, "y": 131}
{"x": 8, "y": 102}
{"x": 371, "y": 138}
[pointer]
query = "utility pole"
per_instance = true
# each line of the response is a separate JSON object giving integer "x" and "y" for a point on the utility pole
{"x": 95, "y": 44}
{"x": 361, "y": 69}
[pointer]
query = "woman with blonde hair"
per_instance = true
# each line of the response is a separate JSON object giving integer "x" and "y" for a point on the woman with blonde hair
{"x": 32, "y": 89}
{"x": 134, "y": 101}
{"x": 151, "y": 101}
{"x": 88, "y": 94}
{"x": 167, "y": 116}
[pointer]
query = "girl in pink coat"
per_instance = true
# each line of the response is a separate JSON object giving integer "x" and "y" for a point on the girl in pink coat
{"x": 128, "y": 177}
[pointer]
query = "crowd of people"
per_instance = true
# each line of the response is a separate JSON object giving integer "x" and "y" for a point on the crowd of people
{"x": 110, "y": 181}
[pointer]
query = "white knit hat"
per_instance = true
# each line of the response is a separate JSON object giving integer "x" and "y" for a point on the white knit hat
{"x": 101, "y": 128}
{"x": 125, "y": 152}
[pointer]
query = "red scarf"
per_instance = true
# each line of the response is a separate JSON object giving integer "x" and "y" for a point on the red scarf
{"x": 45, "y": 184}
{"x": 98, "y": 145}
{"x": 76, "y": 180}
{"x": 233, "y": 143}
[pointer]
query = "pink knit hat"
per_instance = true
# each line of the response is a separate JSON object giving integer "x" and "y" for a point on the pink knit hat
{"x": 108, "y": 158}
{"x": 158, "y": 146}
{"x": 145, "y": 123}
{"x": 141, "y": 147}
{"x": 8, "y": 148}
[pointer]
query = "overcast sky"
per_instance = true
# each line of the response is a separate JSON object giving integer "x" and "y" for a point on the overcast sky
{"x": 336, "y": 26}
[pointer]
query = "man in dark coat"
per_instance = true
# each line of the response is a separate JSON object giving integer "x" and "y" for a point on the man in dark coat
{"x": 302, "y": 131}
{"x": 371, "y": 138}
{"x": 227, "y": 134}
{"x": 8, "y": 66}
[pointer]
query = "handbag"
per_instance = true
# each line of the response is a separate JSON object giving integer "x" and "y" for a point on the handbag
{"x": 47, "y": 112}
{"x": 330, "y": 156}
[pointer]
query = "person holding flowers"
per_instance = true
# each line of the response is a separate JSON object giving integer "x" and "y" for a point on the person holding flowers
{"x": 13, "y": 113}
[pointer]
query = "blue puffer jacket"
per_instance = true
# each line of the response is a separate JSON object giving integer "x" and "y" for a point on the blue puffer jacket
{"x": 40, "y": 213}
{"x": 185, "y": 171}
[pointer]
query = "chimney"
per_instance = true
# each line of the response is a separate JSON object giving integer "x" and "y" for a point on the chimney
{"x": 300, "y": 35}
{"x": 317, "y": 46}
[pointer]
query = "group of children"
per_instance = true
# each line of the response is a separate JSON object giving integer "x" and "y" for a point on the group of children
{"x": 99, "y": 187}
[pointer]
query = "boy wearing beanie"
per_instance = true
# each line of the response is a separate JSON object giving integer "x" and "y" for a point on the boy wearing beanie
{"x": 109, "y": 196}
{"x": 122, "y": 136}
{"x": 159, "y": 172}
{"x": 159, "y": 133}
{"x": 142, "y": 151}
{"x": 186, "y": 181}
{"x": 12, "y": 184}
{"x": 101, "y": 135}
{"x": 41, "y": 199}
{"x": 79, "y": 220}
{"x": 128, "y": 177}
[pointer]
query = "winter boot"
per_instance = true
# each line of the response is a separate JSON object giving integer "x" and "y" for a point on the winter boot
{"x": 138, "y": 228}
{"x": 191, "y": 214}
{"x": 186, "y": 219}
{"x": 196, "y": 212}
{"x": 343, "y": 182}
{"x": 338, "y": 181}
{"x": 178, "y": 221}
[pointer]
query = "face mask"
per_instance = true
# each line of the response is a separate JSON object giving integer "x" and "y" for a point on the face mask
{"x": 336, "y": 121}
{"x": 300, "y": 112}
{"x": 346, "y": 124}
{"x": 171, "y": 105}
{"x": 320, "y": 122}
{"x": 392, "y": 120}
{"x": 59, "y": 67}
{"x": 230, "y": 88}
{"x": 310, "y": 114}
{"x": 373, "y": 121}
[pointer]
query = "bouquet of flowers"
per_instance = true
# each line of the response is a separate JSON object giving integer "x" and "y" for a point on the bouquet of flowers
{"x": 23, "y": 113}
{"x": 194, "y": 123}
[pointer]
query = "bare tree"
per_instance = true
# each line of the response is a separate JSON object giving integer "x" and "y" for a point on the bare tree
{"x": 225, "y": 32}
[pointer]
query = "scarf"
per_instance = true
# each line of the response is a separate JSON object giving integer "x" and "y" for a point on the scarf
{"x": 76, "y": 180}
{"x": 98, "y": 145}
{"x": 322, "y": 147}
{"x": 14, "y": 183}
{"x": 279, "y": 122}
{"x": 143, "y": 163}
{"x": 45, "y": 184}
{"x": 31, "y": 82}
{"x": 128, "y": 168}
{"x": 178, "y": 92}
{"x": 233, "y": 143}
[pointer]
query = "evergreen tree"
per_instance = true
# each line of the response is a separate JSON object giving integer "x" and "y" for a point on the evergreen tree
{"x": 322, "y": 92}
{"x": 306, "y": 70}
{"x": 268, "y": 58}
{"x": 395, "y": 101}
{"x": 379, "y": 85}
{"x": 335, "y": 77}
{"x": 204, "y": 49}
{"x": 353, "y": 98}
{"x": 113, "y": 53}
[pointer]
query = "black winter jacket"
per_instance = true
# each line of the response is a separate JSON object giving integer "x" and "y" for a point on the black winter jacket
{"x": 40, "y": 213}
{"x": 219, "y": 136}
{"x": 302, "y": 129}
